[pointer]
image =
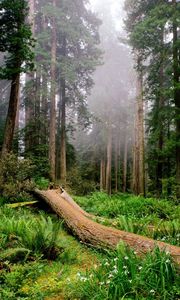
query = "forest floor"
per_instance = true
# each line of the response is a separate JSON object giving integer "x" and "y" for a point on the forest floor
{"x": 78, "y": 272}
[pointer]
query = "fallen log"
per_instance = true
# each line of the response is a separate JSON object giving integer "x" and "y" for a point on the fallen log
{"x": 68, "y": 198}
{"x": 97, "y": 235}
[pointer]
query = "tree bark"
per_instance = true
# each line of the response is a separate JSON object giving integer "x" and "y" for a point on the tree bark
{"x": 63, "y": 167}
{"x": 97, "y": 235}
{"x": 44, "y": 111}
{"x": 135, "y": 172}
{"x": 141, "y": 136}
{"x": 160, "y": 106}
{"x": 116, "y": 164}
{"x": 109, "y": 160}
{"x": 52, "y": 132}
{"x": 176, "y": 69}
{"x": 102, "y": 174}
{"x": 138, "y": 155}
{"x": 138, "y": 149}
{"x": 63, "y": 134}
{"x": 119, "y": 164}
{"x": 11, "y": 116}
{"x": 125, "y": 163}
{"x": 30, "y": 94}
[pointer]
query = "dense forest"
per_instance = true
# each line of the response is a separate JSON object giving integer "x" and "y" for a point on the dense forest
{"x": 89, "y": 142}
{"x": 72, "y": 103}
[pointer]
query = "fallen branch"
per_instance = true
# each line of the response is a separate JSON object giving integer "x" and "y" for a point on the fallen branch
{"x": 20, "y": 204}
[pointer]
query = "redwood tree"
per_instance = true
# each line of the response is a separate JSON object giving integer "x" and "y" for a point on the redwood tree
{"x": 15, "y": 39}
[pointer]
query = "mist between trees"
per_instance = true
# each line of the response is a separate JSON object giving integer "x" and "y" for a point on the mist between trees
{"x": 90, "y": 93}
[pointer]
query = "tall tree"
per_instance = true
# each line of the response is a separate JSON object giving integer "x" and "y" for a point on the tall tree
{"x": 176, "y": 71}
{"x": 15, "y": 40}
{"x": 52, "y": 131}
{"x": 150, "y": 25}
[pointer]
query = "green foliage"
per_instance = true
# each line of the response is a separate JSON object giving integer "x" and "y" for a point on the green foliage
{"x": 15, "y": 38}
{"x": 32, "y": 276}
{"x": 158, "y": 219}
{"x": 149, "y": 25}
{"x": 27, "y": 238}
{"x": 125, "y": 204}
{"x": 24, "y": 237}
{"x": 125, "y": 276}
{"x": 77, "y": 57}
{"x": 12, "y": 278}
{"x": 42, "y": 183}
{"x": 78, "y": 184}
{"x": 15, "y": 178}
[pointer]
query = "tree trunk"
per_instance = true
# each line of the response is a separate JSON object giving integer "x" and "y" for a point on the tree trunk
{"x": 37, "y": 108}
{"x": 63, "y": 167}
{"x": 176, "y": 69}
{"x": 52, "y": 132}
{"x": 140, "y": 136}
{"x": 116, "y": 164}
{"x": 44, "y": 110}
{"x": 29, "y": 97}
{"x": 11, "y": 116}
{"x": 63, "y": 134}
{"x": 125, "y": 163}
{"x": 97, "y": 235}
{"x": 159, "y": 171}
{"x": 109, "y": 160}
{"x": 119, "y": 164}
{"x": 44, "y": 101}
{"x": 138, "y": 149}
{"x": 102, "y": 174}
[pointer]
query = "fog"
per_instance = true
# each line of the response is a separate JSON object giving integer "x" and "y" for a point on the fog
{"x": 112, "y": 99}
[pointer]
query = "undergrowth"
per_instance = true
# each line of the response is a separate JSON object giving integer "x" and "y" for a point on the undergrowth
{"x": 123, "y": 275}
{"x": 158, "y": 219}
{"x": 24, "y": 237}
{"x": 40, "y": 261}
{"x": 37, "y": 255}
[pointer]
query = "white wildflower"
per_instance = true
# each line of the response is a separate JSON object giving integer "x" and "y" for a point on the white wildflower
{"x": 140, "y": 268}
{"x": 126, "y": 257}
{"x": 115, "y": 267}
{"x": 152, "y": 291}
{"x": 126, "y": 272}
{"x": 124, "y": 267}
